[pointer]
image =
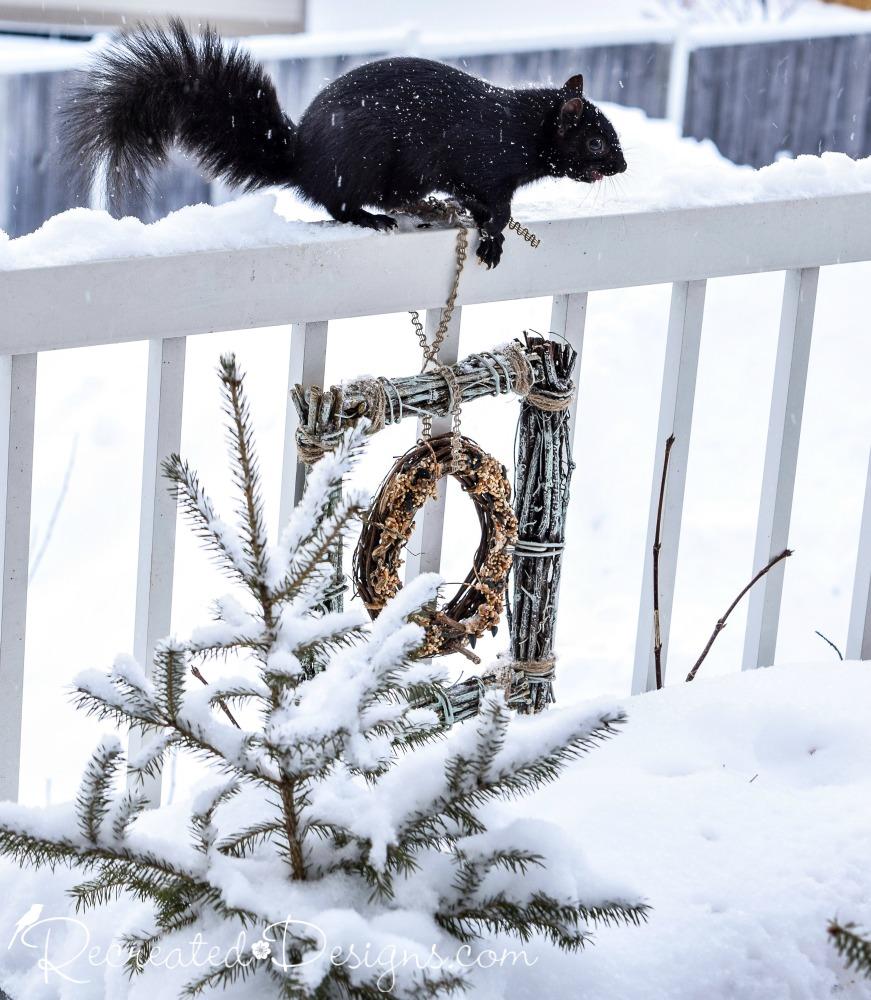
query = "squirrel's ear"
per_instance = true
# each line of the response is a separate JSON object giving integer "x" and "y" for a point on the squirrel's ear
{"x": 575, "y": 84}
{"x": 570, "y": 114}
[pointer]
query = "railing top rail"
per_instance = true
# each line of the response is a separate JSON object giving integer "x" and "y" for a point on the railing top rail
{"x": 354, "y": 274}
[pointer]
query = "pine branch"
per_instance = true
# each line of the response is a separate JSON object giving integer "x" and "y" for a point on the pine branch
{"x": 94, "y": 798}
{"x": 93, "y": 696}
{"x": 207, "y": 525}
{"x": 563, "y": 924}
{"x": 202, "y": 829}
{"x": 852, "y": 947}
{"x": 140, "y": 947}
{"x": 149, "y": 761}
{"x": 170, "y": 675}
{"x": 126, "y": 811}
{"x": 224, "y": 976}
{"x": 113, "y": 878}
{"x": 241, "y": 843}
{"x": 246, "y": 472}
{"x": 315, "y": 552}
{"x": 31, "y": 849}
{"x": 472, "y": 870}
{"x": 473, "y": 782}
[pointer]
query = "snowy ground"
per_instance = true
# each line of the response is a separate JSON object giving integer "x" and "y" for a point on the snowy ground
{"x": 742, "y": 875}
{"x": 740, "y": 808}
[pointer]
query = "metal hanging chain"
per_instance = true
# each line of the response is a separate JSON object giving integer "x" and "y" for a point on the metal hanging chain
{"x": 452, "y": 213}
{"x": 431, "y": 352}
{"x": 527, "y": 234}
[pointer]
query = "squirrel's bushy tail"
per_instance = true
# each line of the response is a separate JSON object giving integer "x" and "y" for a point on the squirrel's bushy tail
{"x": 155, "y": 88}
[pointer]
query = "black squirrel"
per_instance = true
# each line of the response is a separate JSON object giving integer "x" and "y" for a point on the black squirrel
{"x": 385, "y": 134}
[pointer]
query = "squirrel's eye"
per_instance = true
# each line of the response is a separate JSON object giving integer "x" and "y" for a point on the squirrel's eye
{"x": 596, "y": 144}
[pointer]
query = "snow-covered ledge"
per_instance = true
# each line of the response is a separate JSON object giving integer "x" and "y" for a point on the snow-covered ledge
{"x": 301, "y": 272}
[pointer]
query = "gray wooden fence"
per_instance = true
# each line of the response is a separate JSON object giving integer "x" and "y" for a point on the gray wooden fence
{"x": 797, "y": 96}
{"x": 755, "y": 100}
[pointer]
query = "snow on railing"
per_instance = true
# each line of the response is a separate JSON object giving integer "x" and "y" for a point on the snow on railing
{"x": 166, "y": 298}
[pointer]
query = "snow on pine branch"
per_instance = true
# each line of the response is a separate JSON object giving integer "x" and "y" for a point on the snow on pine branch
{"x": 313, "y": 519}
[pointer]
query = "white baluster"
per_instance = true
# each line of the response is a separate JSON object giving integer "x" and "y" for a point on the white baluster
{"x": 675, "y": 417}
{"x": 781, "y": 459}
{"x": 859, "y": 631}
{"x": 308, "y": 361}
{"x": 17, "y": 410}
{"x": 568, "y": 317}
{"x": 424, "y": 551}
{"x": 163, "y": 415}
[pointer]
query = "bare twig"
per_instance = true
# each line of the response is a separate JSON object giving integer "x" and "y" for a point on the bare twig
{"x": 657, "y": 545}
{"x": 825, "y": 638}
{"x": 58, "y": 506}
{"x": 200, "y": 677}
{"x": 721, "y": 624}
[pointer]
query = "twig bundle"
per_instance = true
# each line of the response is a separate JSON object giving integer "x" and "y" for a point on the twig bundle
{"x": 325, "y": 413}
{"x": 542, "y": 476}
{"x": 388, "y": 526}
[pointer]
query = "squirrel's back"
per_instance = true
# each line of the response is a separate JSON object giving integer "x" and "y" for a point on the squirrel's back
{"x": 397, "y": 128}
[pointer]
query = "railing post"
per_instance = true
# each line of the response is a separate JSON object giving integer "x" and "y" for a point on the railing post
{"x": 675, "y": 417}
{"x": 781, "y": 460}
{"x": 859, "y": 630}
{"x": 157, "y": 516}
{"x": 308, "y": 362}
{"x": 424, "y": 551}
{"x": 17, "y": 412}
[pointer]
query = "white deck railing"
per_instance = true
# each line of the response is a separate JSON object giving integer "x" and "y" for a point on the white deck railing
{"x": 341, "y": 273}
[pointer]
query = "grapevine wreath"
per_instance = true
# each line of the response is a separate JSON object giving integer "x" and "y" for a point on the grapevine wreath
{"x": 413, "y": 479}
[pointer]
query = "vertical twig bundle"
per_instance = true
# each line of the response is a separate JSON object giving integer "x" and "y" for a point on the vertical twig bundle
{"x": 543, "y": 471}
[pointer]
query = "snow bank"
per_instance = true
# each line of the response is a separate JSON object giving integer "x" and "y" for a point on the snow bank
{"x": 664, "y": 173}
{"x": 742, "y": 808}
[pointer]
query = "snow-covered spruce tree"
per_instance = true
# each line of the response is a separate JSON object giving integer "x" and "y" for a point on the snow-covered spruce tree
{"x": 346, "y": 822}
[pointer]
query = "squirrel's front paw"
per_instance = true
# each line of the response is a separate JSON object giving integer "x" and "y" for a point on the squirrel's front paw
{"x": 490, "y": 249}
